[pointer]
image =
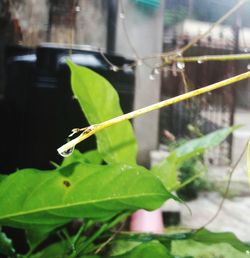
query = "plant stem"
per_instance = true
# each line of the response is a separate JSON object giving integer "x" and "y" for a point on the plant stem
{"x": 222, "y": 19}
{"x": 98, "y": 127}
{"x": 209, "y": 58}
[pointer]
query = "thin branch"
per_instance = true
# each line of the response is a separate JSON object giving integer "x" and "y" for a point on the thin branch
{"x": 226, "y": 191}
{"x": 87, "y": 132}
{"x": 222, "y": 19}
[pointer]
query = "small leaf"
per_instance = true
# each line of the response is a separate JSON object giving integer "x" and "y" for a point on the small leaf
{"x": 99, "y": 102}
{"x": 166, "y": 171}
{"x": 208, "y": 237}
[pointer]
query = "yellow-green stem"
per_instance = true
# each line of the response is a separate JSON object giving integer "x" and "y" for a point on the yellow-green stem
{"x": 98, "y": 127}
{"x": 210, "y": 58}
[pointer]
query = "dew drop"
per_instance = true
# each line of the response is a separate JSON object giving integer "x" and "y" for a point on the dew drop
{"x": 151, "y": 77}
{"x": 66, "y": 153}
{"x": 122, "y": 15}
{"x": 78, "y": 8}
{"x": 248, "y": 67}
{"x": 139, "y": 62}
{"x": 127, "y": 68}
{"x": 114, "y": 68}
{"x": 180, "y": 65}
{"x": 156, "y": 71}
{"x": 200, "y": 61}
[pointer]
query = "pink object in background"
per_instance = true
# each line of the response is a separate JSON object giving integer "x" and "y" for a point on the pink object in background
{"x": 147, "y": 221}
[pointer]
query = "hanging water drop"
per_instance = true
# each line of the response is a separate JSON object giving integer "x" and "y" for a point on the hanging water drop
{"x": 180, "y": 65}
{"x": 67, "y": 153}
{"x": 127, "y": 68}
{"x": 156, "y": 71}
{"x": 78, "y": 8}
{"x": 200, "y": 61}
{"x": 151, "y": 77}
{"x": 114, "y": 68}
{"x": 139, "y": 62}
{"x": 122, "y": 15}
{"x": 248, "y": 67}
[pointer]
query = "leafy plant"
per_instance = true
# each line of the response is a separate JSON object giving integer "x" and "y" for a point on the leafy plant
{"x": 101, "y": 187}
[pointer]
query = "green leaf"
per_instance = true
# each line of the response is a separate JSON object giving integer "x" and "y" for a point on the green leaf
{"x": 147, "y": 250}
{"x": 2, "y": 177}
{"x": 208, "y": 237}
{"x": 57, "y": 250}
{"x": 91, "y": 157}
{"x": 200, "y": 145}
{"x": 34, "y": 199}
{"x": 201, "y": 250}
{"x": 166, "y": 171}
{"x": 100, "y": 102}
{"x": 6, "y": 247}
{"x": 36, "y": 236}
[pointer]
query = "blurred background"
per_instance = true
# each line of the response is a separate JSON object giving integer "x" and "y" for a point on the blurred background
{"x": 122, "y": 41}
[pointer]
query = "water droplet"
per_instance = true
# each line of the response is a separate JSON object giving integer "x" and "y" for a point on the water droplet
{"x": 200, "y": 61}
{"x": 74, "y": 97}
{"x": 114, "y": 68}
{"x": 122, "y": 15}
{"x": 139, "y": 62}
{"x": 248, "y": 67}
{"x": 156, "y": 71}
{"x": 127, "y": 68}
{"x": 180, "y": 65}
{"x": 78, "y": 8}
{"x": 66, "y": 153}
{"x": 151, "y": 77}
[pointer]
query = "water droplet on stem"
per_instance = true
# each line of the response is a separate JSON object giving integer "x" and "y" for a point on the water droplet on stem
{"x": 200, "y": 61}
{"x": 156, "y": 70}
{"x": 114, "y": 68}
{"x": 67, "y": 153}
{"x": 248, "y": 67}
{"x": 180, "y": 65}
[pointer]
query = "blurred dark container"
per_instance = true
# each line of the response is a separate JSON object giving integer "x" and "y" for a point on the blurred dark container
{"x": 39, "y": 110}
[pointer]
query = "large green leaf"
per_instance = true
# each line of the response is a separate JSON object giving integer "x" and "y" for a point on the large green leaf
{"x": 100, "y": 102}
{"x": 34, "y": 199}
{"x": 166, "y": 171}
